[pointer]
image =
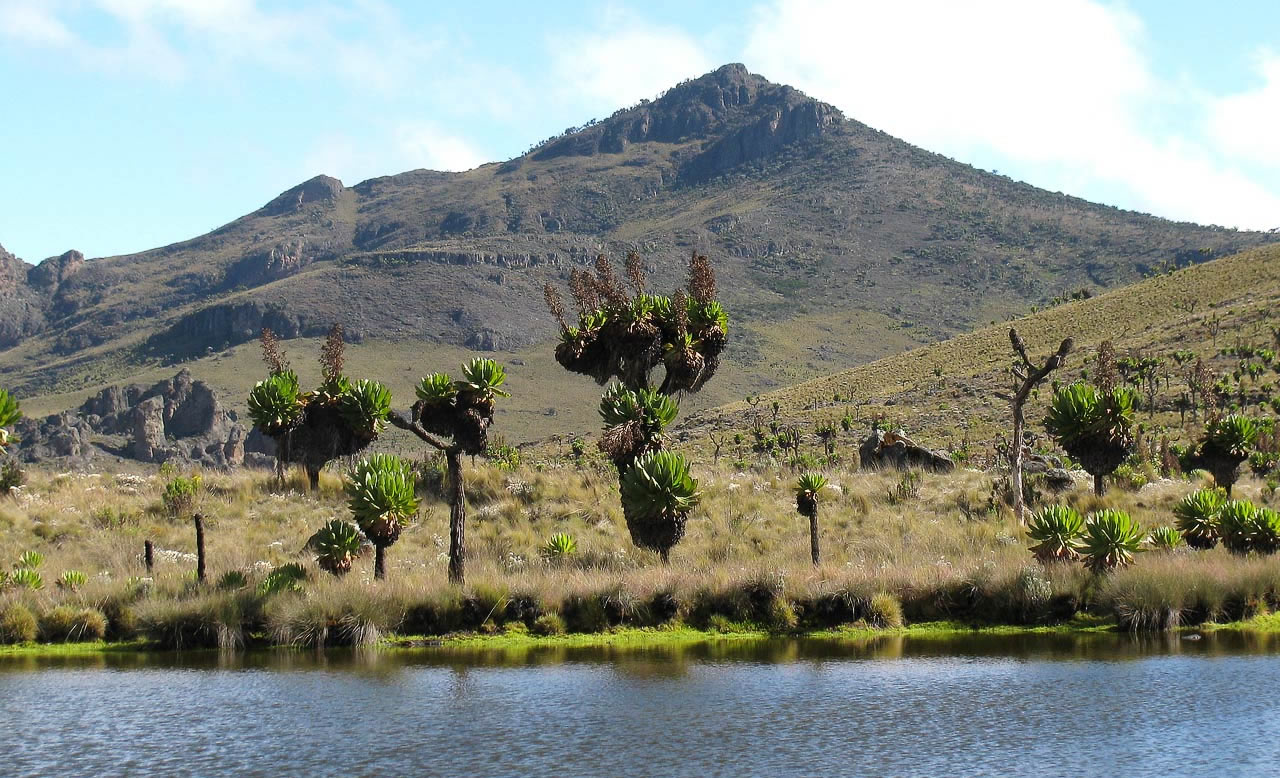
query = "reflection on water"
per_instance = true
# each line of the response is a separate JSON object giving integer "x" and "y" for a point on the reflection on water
{"x": 978, "y": 703}
{"x": 671, "y": 660}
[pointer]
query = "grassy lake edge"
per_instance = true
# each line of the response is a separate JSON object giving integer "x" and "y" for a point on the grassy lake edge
{"x": 647, "y": 637}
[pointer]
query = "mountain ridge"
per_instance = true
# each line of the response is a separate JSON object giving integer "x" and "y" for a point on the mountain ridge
{"x": 805, "y": 211}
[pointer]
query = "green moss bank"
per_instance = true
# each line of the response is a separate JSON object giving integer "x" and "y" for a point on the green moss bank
{"x": 676, "y": 636}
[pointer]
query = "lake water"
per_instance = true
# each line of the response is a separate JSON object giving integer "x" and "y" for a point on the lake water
{"x": 1024, "y": 705}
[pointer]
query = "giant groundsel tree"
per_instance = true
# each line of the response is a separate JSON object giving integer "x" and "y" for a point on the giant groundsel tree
{"x": 338, "y": 419}
{"x": 623, "y": 334}
{"x": 453, "y": 417}
{"x": 1095, "y": 427}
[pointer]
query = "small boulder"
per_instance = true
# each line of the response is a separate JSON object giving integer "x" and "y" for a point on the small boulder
{"x": 894, "y": 449}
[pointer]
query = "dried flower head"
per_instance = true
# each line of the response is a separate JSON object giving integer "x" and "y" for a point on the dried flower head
{"x": 272, "y": 354}
{"x": 680, "y": 306}
{"x": 702, "y": 279}
{"x": 607, "y": 285}
{"x": 582, "y": 288}
{"x": 635, "y": 272}
{"x": 555, "y": 305}
{"x": 331, "y": 354}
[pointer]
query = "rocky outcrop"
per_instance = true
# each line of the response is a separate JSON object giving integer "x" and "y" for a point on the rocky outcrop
{"x": 176, "y": 419}
{"x": 229, "y": 324}
{"x": 63, "y": 435}
{"x": 22, "y": 309}
{"x": 1056, "y": 477}
{"x": 148, "y": 430}
{"x": 787, "y": 123}
{"x": 316, "y": 190}
{"x": 894, "y": 449}
{"x": 51, "y": 274}
{"x": 756, "y": 117}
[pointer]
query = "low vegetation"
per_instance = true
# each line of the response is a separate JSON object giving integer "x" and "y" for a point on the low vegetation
{"x": 552, "y": 553}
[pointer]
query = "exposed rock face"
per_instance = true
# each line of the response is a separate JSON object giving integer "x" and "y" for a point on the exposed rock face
{"x": 50, "y": 274}
{"x": 773, "y": 116}
{"x": 893, "y": 449}
{"x": 148, "y": 430}
{"x": 62, "y": 435}
{"x": 318, "y": 189}
{"x": 235, "y": 323}
{"x": 22, "y": 308}
{"x": 176, "y": 419}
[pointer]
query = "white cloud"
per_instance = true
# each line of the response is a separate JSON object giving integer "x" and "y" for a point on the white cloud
{"x": 32, "y": 23}
{"x": 1061, "y": 86}
{"x": 623, "y": 60}
{"x": 424, "y": 145}
{"x": 1247, "y": 124}
{"x": 361, "y": 41}
{"x": 404, "y": 146}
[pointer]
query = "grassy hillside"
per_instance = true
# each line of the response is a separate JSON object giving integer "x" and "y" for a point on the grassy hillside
{"x": 943, "y": 393}
{"x": 823, "y": 230}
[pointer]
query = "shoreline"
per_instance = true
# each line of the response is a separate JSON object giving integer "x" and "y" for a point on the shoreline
{"x": 653, "y": 637}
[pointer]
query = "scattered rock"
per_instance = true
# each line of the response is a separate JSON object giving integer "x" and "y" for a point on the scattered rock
{"x": 894, "y": 449}
{"x": 178, "y": 418}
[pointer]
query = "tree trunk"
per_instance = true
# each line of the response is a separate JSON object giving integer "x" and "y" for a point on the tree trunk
{"x": 665, "y": 555}
{"x": 813, "y": 536}
{"x": 199, "y": 521}
{"x": 1015, "y": 459}
{"x": 379, "y": 562}
{"x": 148, "y": 554}
{"x": 313, "y": 478}
{"x": 1099, "y": 486}
{"x": 457, "y": 519}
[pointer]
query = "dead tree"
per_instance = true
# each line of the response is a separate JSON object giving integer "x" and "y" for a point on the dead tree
{"x": 1025, "y": 371}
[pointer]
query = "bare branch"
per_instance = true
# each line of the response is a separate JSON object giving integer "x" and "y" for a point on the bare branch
{"x": 417, "y": 429}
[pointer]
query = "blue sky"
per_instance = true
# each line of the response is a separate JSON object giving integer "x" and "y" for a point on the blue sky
{"x": 129, "y": 124}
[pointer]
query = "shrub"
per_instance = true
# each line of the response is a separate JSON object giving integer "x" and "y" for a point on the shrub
{"x": 122, "y": 622}
{"x": 1246, "y": 528}
{"x": 17, "y": 624}
{"x": 66, "y": 624}
{"x": 232, "y": 580}
{"x": 180, "y": 495}
{"x": 26, "y": 577}
{"x": 1266, "y": 531}
{"x": 30, "y": 560}
{"x": 1057, "y": 530}
{"x": 343, "y": 616}
{"x": 548, "y": 624}
{"x": 71, "y": 580}
{"x": 336, "y": 545}
{"x": 1236, "y": 525}
{"x": 1165, "y": 538}
{"x": 215, "y": 620}
{"x": 884, "y": 610}
{"x": 285, "y": 578}
{"x": 1197, "y": 517}
{"x": 11, "y": 476}
{"x": 10, "y": 412}
{"x": 559, "y": 547}
{"x": 1111, "y": 539}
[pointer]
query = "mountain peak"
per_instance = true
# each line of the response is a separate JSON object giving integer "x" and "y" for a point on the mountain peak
{"x": 728, "y": 105}
{"x": 317, "y": 189}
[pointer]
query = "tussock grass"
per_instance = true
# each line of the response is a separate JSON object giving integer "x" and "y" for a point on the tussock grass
{"x": 744, "y": 563}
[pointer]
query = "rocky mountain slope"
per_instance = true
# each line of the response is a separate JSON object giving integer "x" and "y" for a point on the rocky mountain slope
{"x": 832, "y": 240}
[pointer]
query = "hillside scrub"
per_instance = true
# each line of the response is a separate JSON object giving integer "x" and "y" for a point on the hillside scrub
{"x": 744, "y": 563}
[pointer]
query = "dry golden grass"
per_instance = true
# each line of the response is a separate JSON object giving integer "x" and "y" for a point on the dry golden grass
{"x": 941, "y": 554}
